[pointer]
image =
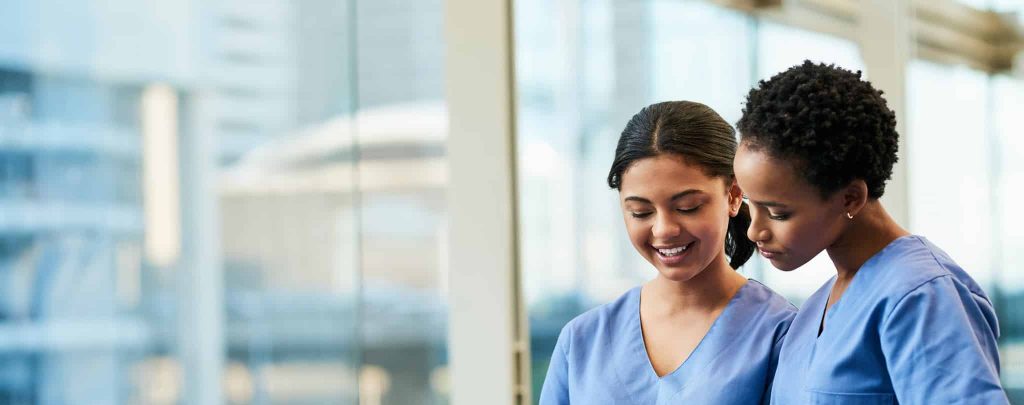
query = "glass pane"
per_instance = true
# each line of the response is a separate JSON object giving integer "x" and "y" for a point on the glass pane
{"x": 85, "y": 269}
{"x": 1008, "y": 123}
{"x": 581, "y": 72}
{"x": 401, "y": 131}
{"x": 942, "y": 121}
{"x": 281, "y": 104}
{"x": 1008, "y": 6}
{"x": 776, "y": 53}
{"x": 351, "y": 214}
{"x": 327, "y": 124}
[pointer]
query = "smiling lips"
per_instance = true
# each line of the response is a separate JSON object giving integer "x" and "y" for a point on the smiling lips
{"x": 669, "y": 252}
{"x": 673, "y": 255}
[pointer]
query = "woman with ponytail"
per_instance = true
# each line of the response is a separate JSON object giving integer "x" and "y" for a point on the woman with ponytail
{"x": 698, "y": 332}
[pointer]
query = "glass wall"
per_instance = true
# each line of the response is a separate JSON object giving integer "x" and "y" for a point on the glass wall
{"x": 325, "y": 122}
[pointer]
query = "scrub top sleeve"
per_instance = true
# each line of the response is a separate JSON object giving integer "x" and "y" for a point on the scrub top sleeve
{"x": 773, "y": 363}
{"x": 935, "y": 348}
{"x": 556, "y": 384}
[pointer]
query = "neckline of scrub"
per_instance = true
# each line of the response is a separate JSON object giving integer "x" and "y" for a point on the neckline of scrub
{"x": 827, "y": 312}
{"x": 639, "y": 333}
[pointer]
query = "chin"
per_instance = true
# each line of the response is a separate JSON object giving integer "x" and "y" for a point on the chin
{"x": 783, "y": 266}
{"x": 678, "y": 275}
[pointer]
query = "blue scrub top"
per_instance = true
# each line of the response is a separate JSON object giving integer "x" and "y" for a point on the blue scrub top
{"x": 600, "y": 357}
{"x": 911, "y": 328}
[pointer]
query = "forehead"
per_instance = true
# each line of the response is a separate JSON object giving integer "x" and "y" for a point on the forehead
{"x": 763, "y": 177}
{"x": 665, "y": 173}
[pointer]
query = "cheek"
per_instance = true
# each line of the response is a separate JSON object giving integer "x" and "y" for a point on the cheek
{"x": 805, "y": 238}
{"x": 805, "y": 242}
{"x": 784, "y": 235}
{"x": 710, "y": 229}
{"x": 638, "y": 232}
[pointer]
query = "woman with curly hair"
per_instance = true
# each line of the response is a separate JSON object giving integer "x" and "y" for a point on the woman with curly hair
{"x": 900, "y": 322}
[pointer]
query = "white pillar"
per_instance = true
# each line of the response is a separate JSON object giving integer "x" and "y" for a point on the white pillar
{"x": 883, "y": 31}
{"x": 485, "y": 348}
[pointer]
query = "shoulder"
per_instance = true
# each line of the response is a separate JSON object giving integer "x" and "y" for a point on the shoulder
{"x": 772, "y": 309}
{"x": 913, "y": 277}
{"x": 914, "y": 264}
{"x": 771, "y": 303}
{"x": 603, "y": 319}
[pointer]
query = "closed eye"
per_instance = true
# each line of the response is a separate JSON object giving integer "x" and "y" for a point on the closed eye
{"x": 778, "y": 217}
{"x": 689, "y": 210}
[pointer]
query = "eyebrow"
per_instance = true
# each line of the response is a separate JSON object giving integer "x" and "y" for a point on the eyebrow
{"x": 676, "y": 196}
{"x": 772, "y": 204}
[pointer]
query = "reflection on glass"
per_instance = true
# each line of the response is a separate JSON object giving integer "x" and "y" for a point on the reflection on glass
{"x": 338, "y": 220}
{"x": 74, "y": 322}
{"x": 328, "y": 123}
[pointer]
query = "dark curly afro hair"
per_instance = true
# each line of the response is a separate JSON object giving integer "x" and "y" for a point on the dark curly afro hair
{"x": 834, "y": 126}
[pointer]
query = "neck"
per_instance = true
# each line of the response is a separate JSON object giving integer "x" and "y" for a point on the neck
{"x": 707, "y": 291}
{"x": 866, "y": 235}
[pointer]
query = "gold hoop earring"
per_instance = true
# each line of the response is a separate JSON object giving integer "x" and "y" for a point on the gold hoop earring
{"x": 849, "y": 216}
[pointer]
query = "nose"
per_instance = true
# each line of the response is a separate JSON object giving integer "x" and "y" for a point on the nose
{"x": 757, "y": 232}
{"x": 665, "y": 227}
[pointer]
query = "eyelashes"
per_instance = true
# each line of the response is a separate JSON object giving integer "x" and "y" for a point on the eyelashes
{"x": 641, "y": 215}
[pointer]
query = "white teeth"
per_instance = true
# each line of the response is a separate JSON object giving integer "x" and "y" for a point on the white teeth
{"x": 673, "y": 251}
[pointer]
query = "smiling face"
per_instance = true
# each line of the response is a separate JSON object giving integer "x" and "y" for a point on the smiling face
{"x": 790, "y": 221}
{"x": 677, "y": 216}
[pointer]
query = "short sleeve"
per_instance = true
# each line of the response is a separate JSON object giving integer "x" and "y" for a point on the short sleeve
{"x": 773, "y": 363}
{"x": 939, "y": 347}
{"x": 556, "y": 383}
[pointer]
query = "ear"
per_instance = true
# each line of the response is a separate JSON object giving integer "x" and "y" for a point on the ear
{"x": 854, "y": 197}
{"x": 735, "y": 195}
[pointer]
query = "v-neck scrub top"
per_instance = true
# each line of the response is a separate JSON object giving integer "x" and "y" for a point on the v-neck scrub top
{"x": 600, "y": 357}
{"x": 911, "y": 328}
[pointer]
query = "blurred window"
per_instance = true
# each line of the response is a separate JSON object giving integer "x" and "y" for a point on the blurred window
{"x": 328, "y": 123}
